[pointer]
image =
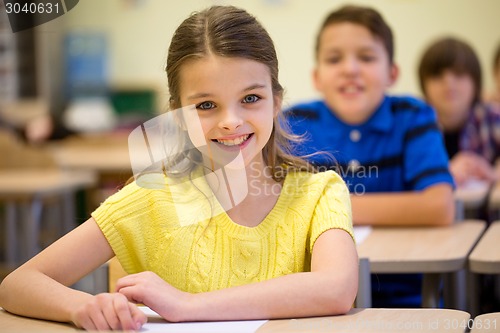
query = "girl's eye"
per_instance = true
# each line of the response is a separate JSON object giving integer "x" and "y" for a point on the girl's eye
{"x": 205, "y": 105}
{"x": 251, "y": 99}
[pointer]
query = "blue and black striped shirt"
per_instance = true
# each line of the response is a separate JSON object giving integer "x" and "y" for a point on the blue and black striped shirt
{"x": 399, "y": 148}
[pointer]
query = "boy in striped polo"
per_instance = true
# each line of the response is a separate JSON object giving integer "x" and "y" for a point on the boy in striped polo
{"x": 388, "y": 149}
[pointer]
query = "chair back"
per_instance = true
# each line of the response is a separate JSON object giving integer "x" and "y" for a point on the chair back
{"x": 115, "y": 272}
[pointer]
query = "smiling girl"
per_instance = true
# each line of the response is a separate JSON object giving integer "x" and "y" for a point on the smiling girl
{"x": 274, "y": 254}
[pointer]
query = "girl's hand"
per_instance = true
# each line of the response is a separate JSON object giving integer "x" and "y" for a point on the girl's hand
{"x": 151, "y": 290}
{"x": 109, "y": 312}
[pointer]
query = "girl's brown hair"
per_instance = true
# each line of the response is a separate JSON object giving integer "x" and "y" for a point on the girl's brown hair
{"x": 227, "y": 31}
{"x": 451, "y": 54}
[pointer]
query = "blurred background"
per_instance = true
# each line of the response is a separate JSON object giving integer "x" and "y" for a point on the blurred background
{"x": 117, "y": 48}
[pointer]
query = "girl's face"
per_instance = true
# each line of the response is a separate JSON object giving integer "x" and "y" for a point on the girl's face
{"x": 451, "y": 94}
{"x": 233, "y": 108}
{"x": 353, "y": 71}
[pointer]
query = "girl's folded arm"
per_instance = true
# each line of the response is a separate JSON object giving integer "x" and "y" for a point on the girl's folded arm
{"x": 329, "y": 289}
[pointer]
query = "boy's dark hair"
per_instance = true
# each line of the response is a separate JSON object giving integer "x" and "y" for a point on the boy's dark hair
{"x": 496, "y": 59}
{"x": 455, "y": 55}
{"x": 364, "y": 16}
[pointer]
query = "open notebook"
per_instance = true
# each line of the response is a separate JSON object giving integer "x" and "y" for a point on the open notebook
{"x": 361, "y": 232}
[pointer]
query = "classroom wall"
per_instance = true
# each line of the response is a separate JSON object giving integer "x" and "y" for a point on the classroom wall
{"x": 139, "y": 32}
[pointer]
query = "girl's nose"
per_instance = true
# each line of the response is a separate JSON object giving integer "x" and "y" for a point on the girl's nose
{"x": 230, "y": 120}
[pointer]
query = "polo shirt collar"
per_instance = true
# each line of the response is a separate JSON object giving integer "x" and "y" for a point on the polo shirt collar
{"x": 382, "y": 120}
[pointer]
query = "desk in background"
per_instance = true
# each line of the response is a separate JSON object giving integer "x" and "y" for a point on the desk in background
{"x": 485, "y": 258}
{"x": 99, "y": 153}
{"x": 429, "y": 250}
{"x": 105, "y": 154}
{"x": 24, "y": 191}
{"x": 357, "y": 320}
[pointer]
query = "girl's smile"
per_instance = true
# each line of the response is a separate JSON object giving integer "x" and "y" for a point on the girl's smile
{"x": 238, "y": 142}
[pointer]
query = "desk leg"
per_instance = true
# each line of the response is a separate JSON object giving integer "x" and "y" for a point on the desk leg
{"x": 68, "y": 209}
{"x": 473, "y": 293}
{"x": 32, "y": 220}
{"x": 10, "y": 233}
{"x": 430, "y": 290}
{"x": 454, "y": 289}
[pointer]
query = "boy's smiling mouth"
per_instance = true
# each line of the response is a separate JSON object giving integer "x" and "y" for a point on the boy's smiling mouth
{"x": 351, "y": 89}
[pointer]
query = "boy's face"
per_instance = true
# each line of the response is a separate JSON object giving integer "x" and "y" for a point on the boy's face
{"x": 451, "y": 94}
{"x": 353, "y": 71}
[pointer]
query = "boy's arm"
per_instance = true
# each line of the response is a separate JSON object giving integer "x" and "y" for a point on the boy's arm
{"x": 434, "y": 205}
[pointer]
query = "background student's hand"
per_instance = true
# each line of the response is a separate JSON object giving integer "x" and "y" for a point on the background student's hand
{"x": 109, "y": 312}
{"x": 151, "y": 290}
{"x": 467, "y": 165}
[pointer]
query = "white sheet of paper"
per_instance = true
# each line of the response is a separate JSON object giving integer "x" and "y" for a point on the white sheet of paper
{"x": 159, "y": 325}
{"x": 361, "y": 232}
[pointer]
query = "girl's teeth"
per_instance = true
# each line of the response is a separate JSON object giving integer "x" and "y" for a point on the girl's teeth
{"x": 235, "y": 142}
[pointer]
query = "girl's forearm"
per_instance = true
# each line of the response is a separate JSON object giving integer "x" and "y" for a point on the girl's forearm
{"x": 30, "y": 293}
{"x": 295, "y": 295}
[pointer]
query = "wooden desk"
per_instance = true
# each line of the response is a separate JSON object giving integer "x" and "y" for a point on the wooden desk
{"x": 110, "y": 158}
{"x": 357, "y": 320}
{"x": 24, "y": 190}
{"x": 106, "y": 155}
{"x": 428, "y": 250}
{"x": 487, "y": 323}
{"x": 102, "y": 153}
{"x": 485, "y": 258}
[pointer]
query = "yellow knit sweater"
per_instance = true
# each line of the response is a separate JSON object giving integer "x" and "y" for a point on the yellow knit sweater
{"x": 143, "y": 228}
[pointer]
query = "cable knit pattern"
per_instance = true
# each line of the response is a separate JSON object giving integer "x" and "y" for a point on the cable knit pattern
{"x": 149, "y": 230}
